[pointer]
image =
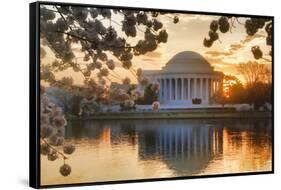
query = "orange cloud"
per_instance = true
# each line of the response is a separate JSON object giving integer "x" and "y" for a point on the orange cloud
{"x": 251, "y": 38}
{"x": 218, "y": 53}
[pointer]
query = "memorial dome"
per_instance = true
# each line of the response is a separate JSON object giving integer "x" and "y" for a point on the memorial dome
{"x": 188, "y": 62}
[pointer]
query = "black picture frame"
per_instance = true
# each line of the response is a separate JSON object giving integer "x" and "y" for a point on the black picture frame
{"x": 34, "y": 94}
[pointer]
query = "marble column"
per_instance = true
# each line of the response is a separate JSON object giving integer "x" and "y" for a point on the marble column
{"x": 165, "y": 90}
{"x": 217, "y": 86}
{"x": 194, "y": 87}
{"x": 207, "y": 90}
{"x": 160, "y": 89}
{"x": 212, "y": 87}
{"x": 176, "y": 88}
{"x": 170, "y": 89}
{"x": 213, "y": 83}
{"x": 182, "y": 88}
{"x": 201, "y": 88}
{"x": 188, "y": 89}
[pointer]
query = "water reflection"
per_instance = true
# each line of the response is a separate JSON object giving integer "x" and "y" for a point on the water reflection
{"x": 166, "y": 148}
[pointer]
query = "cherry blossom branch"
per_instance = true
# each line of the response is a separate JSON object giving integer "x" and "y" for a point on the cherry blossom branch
{"x": 239, "y": 21}
{"x": 87, "y": 40}
{"x": 54, "y": 149}
{"x": 63, "y": 18}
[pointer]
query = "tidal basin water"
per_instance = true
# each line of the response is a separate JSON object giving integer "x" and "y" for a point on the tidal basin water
{"x": 136, "y": 149}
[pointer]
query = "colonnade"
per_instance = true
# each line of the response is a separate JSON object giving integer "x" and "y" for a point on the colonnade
{"x": 179, "y": 89}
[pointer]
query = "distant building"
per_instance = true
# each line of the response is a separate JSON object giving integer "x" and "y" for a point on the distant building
{"x": 187, "y": 79}
{"x": 116, "y": 85}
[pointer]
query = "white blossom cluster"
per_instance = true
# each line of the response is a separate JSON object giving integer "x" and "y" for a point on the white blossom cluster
{"x": 155, "y": 106}
{"x": 129, "y": 98}
{"x": 63, "y": 27}
{"x": 103, "y": 42}
{"x": 96, "y": 90}
{"x": 52, "y": 132}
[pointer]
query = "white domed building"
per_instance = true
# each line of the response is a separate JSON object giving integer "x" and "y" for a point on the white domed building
{"x": 187, "y": 80}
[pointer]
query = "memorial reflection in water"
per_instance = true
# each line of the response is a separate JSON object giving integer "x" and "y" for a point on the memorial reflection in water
{"x": 187, "y": 145}
{"x": 136, "y": 149}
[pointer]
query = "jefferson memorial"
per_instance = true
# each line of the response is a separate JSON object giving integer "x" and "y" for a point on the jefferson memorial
{"x": 187, "y": 79}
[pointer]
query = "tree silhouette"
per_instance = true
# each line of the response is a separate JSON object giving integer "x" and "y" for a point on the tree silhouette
{"x": 237, "y": 94}
{"x": 254, "y": 72}
{"x": 228, "y": 82}
{"x": 219, "y": 98}
{"x": 259, "y": 94}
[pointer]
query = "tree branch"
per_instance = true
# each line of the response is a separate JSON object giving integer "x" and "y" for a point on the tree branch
{"x": 91, "y": 41}
{"x": 54, "y": 149}
{"x": 63, "y": 18}
{"x": 238, "y": 21}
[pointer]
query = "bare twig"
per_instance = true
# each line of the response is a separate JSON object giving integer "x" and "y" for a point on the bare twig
{"x": 238, "y": 21}
{"x": 54, "y": 149}
{"x": 63, "y": 18}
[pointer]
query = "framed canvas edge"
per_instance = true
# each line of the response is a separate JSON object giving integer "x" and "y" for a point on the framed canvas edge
{"x": 34, "y": 97}
{"x": 153, "y": 9}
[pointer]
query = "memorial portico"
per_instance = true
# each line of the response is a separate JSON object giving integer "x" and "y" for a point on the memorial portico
{"x": 187, "y": 76}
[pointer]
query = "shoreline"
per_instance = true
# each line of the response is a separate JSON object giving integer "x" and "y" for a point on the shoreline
{"x": 175, "y": 114}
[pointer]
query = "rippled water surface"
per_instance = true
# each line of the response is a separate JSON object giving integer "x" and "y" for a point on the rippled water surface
{"x": 136, "y": 149}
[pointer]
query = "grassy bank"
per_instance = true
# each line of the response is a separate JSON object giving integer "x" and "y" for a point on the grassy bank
{"x": 178, "y": 114}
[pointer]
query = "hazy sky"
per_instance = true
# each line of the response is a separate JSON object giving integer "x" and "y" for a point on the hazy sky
{"x": 188, "y": 35}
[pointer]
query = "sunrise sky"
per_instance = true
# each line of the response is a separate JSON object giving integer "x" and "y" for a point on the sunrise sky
{"x": 188, "y": 35}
